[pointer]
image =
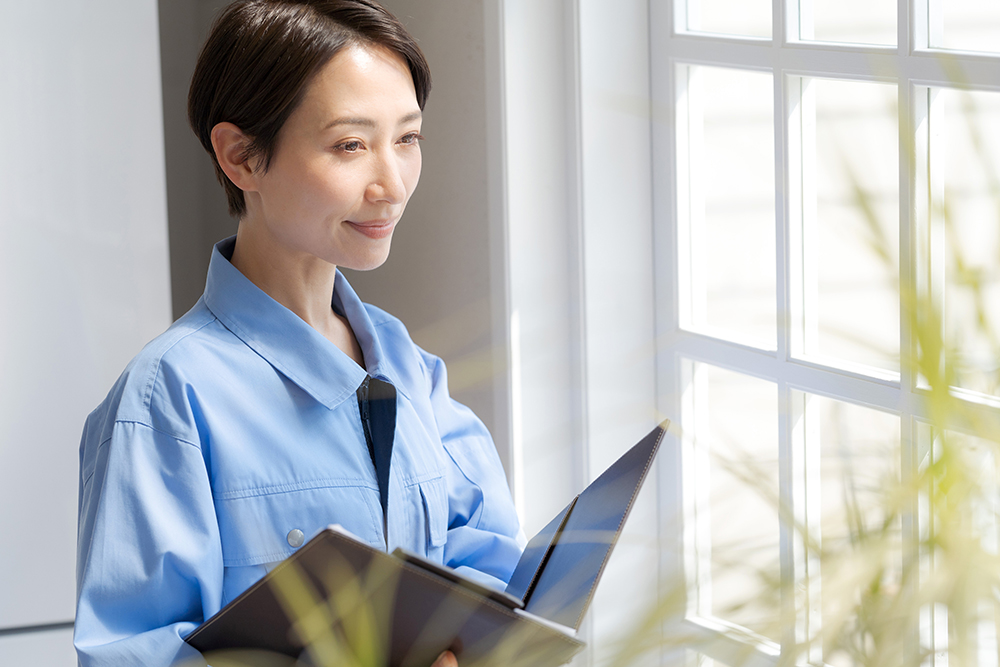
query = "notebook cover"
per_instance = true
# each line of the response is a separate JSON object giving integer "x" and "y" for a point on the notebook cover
{"x": 349, "y": 597}
{"x": 568, "y": 580}
{"x": 503, "y": 597}
{"x": 536, "y": 554}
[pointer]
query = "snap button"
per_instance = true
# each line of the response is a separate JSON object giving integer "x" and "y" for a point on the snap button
{"x": 295, "y": 538}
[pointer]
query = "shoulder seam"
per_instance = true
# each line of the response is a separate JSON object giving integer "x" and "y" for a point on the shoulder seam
{"x": 157, "y": 430}
{"x": 151, "y": 428}
{"x": 147, "y": 396}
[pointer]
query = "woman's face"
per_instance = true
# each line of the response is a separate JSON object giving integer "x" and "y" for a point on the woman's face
{"x": 345, "y": 163}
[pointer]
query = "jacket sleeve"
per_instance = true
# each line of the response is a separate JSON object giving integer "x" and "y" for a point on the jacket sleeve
{"x": 484, "y": 534}
{"x": 149, "y": 557}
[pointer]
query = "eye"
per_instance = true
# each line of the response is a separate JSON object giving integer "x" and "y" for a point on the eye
{"x": 411, "y": 138}
{"x": 352, "y": 146}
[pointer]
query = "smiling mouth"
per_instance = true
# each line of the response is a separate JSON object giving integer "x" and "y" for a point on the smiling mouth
{"x": 374, "y": 229}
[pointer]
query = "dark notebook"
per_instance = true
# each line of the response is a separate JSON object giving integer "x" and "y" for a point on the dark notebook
{"x": 337, "y": 595}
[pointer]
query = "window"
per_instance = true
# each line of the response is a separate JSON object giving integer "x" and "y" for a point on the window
{"x": 825, "y": 184}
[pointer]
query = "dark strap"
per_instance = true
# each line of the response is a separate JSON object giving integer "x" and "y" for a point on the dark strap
{"x": 381, "y": 424}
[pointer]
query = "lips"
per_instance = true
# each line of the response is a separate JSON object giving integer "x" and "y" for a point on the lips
{"x": 374, "y": 229}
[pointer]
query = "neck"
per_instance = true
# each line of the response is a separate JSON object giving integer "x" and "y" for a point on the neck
{"x": 298, "y": 281}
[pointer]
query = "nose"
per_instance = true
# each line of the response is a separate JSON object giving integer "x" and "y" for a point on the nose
{"x": 387, "y": 182}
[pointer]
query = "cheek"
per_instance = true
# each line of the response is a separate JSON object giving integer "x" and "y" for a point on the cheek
{"x": 290, "y": 183}
{"x": 326, "y": 187}
{"x": 411, "y": 173}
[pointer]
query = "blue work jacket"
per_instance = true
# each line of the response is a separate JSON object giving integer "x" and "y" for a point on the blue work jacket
{"x": 235, "y": 434}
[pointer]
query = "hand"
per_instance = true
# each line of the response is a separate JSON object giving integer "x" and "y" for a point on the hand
{"x": 446, "y": 659}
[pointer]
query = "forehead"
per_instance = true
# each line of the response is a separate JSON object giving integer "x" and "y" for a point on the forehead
{"x": 363, "y": 81}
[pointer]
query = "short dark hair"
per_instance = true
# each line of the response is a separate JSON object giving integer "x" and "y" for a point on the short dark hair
{"x": 260, "y": 57}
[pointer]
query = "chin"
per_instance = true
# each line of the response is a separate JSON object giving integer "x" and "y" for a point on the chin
{"x": 373, "y": 261}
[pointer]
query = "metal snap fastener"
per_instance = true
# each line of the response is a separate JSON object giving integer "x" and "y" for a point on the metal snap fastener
{"x": 295, "y": 538}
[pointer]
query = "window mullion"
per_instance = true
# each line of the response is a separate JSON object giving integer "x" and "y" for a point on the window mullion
{"x": 697, "y": 502}
{"x": 786, "y": 200}
{"x": 801, "y": 152}
{"x": 931, "y": 243}
{"x": 913, "y": 200}
{"x": 809, "y": 518}
{"x": 910, "y": 453}
{"x": 690, "y": 198}
{"x": 911, "y": 26}
{"x": 794, "y": 554}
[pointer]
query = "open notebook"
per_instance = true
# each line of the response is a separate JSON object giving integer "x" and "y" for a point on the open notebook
{"x": 339, "y": 594}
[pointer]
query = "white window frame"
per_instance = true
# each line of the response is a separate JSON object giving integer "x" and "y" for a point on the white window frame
{"x": 919, "y": 69}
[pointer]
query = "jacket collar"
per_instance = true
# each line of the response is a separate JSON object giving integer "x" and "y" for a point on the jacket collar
{"x": 285, "y": 341}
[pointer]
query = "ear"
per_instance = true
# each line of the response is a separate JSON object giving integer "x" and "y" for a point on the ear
{"x": 230, "y": 144}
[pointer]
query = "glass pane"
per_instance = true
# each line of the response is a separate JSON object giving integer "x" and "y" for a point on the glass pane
{"x": 737, "y": 438}
{"x": 853, "y": 21}
{"x": 859, "y": 519}
{"x": 860, "y": 464}
{"x": 852, "y": 255}
{"x": 964, "y": 506}
{"x": 971, "y": 217}
{"x": 980, "y": 479}
{"x": 731, "y": 167}
{"x": 969, "y": 25}
{"x": 745, "y": 18}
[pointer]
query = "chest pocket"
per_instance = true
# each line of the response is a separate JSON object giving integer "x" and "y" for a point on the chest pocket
{"x": 263, "y": 526}
{"x": 429, "y": 497}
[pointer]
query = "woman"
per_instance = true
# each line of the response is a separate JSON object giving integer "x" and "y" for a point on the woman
{"x": 280, "y": 403}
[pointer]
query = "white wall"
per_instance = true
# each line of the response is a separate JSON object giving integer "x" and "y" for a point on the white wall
{"x": 83, "y": 274}
{"x": 581, "y": 235}
{"x": 46, "y": 648}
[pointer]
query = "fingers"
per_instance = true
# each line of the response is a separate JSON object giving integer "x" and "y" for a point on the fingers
{"x": 446, "y": 659}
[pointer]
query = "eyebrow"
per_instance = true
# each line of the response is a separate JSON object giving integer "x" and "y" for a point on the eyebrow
{"x": 368, "y": 122}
